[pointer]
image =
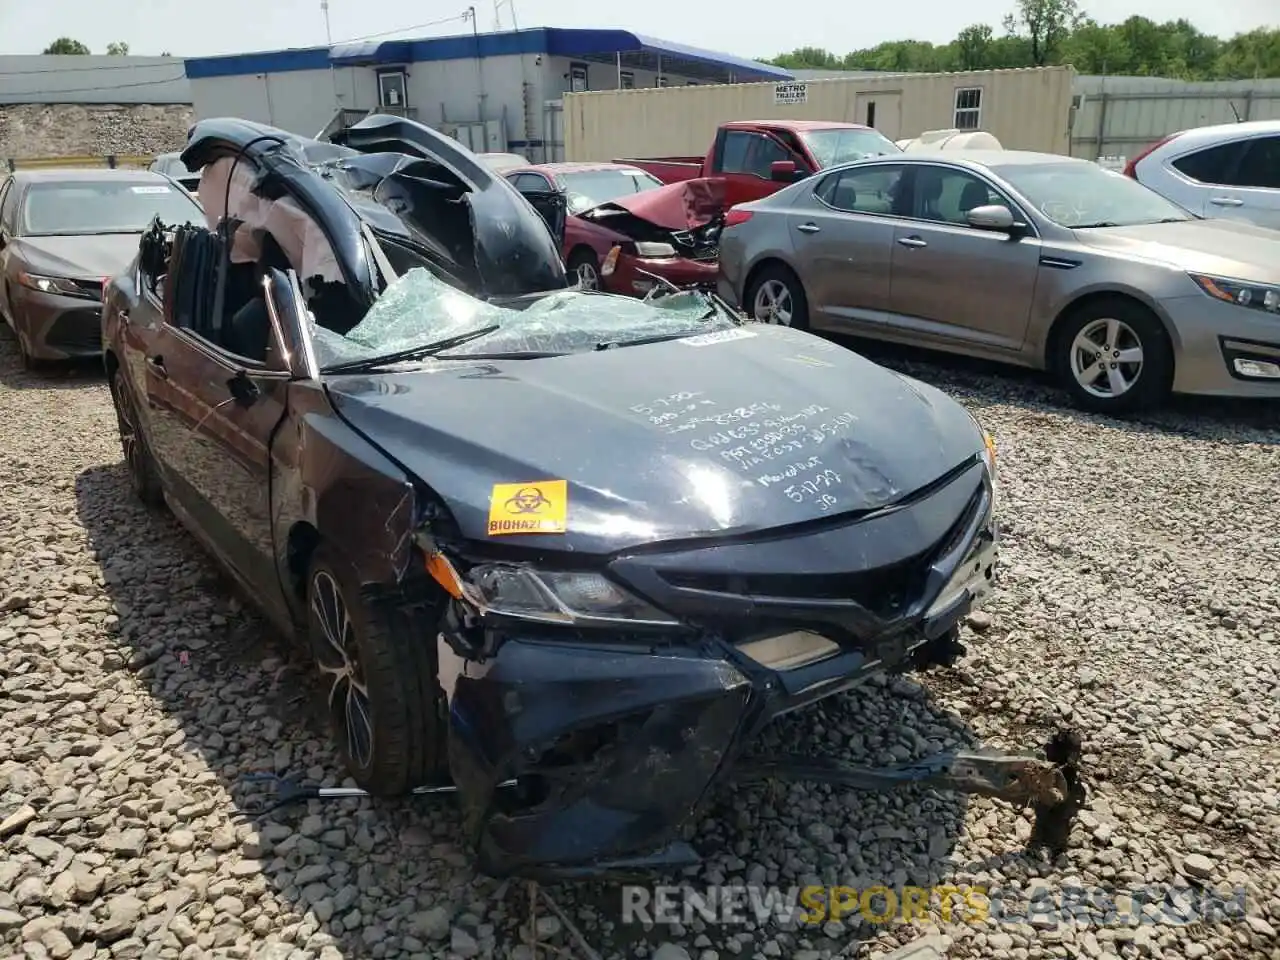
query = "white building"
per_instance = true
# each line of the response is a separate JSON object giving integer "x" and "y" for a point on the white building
{"x": 496, "y": 92}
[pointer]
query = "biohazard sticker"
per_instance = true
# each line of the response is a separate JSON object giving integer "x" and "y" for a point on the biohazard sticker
{"x": 538, "y": 506}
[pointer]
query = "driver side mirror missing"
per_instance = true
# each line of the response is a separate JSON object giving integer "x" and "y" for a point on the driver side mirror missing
{"x": 243, "y": 390}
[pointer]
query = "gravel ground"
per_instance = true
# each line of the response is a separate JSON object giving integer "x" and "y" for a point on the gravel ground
{"x": 1140, "y": 602}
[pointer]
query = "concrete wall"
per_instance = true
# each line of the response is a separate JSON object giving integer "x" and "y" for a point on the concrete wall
{"x": 93, "y": 79}
{"x": 1119, "y": 116}
{"x": 1025, "y": 109}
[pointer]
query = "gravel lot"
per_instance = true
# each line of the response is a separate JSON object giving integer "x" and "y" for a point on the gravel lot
{"x": 1140, "y": 603}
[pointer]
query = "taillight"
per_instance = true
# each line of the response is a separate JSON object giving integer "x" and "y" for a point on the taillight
{"x": 734, "y": 216}
{"x": 1131, "y": 168}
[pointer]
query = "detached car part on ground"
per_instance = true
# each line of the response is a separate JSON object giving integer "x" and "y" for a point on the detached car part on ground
{"x": 588, "y": 543}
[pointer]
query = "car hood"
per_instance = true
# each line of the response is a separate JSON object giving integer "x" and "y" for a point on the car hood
{"x": 1227, "y": 248}
{"x": 93, "y": 256}
{"x": 677, "y": 206}
{"x": 730, "y": 433}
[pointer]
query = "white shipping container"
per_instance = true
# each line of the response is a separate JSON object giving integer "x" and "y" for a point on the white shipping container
{"x": 1026, "y": 109}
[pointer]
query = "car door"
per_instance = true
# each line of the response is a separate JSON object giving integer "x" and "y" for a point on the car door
{"x": 1238, "y": 180}
{"x": 547, "y": 199}
{"x": 952, "y": 282}
{"x": 745, "y": 159}
{"x": 843, "y": 238}
{"x": 213, "y": 415}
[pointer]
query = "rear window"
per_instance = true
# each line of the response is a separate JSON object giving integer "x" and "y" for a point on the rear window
{"x": 103, "y": 206}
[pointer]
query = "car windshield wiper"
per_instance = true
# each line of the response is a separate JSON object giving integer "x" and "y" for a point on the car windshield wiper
{"x": 1100, "y": 223}
{"x": 413, "y": 353}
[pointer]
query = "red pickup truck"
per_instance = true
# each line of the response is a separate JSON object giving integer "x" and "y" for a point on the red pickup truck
{"x": 759, "y": 157}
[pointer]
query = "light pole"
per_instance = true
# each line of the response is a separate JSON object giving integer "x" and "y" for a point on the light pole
{"x": 328, "y": 40}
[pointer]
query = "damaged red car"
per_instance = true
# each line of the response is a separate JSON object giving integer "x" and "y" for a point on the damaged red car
{"x": 566, "y": 550}
{"x": 627, "y": 232}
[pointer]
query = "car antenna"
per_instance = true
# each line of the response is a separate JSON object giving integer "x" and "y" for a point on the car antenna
{"x": 1235, "y": 112}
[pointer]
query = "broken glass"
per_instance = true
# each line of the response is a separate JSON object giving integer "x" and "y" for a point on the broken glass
{"x": 419, "y": 309}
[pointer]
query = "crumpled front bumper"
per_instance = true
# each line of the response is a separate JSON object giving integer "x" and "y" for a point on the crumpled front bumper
{"x": 616, "y": 743}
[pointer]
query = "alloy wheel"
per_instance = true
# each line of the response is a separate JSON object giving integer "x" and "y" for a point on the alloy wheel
{"x": 338, "y": 656}
{"x": 128, "y": 424}
{"x": 1106, "y": 358}
{"x": 588, "y": 277}
{"x": 773, "y": 303}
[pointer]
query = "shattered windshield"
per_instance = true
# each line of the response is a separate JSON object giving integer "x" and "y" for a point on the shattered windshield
{"x": 420, "y": 310}
{"x": 841, "y": 145}
{"x": 590, "y": 188}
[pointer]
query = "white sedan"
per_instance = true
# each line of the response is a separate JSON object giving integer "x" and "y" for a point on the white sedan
{"x": 1230, "y": 171}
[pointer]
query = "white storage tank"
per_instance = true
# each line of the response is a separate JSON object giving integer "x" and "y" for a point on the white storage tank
{"x": 952, "y": 139}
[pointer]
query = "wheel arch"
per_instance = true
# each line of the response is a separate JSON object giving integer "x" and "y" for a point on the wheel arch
{"x": 1085, "y": 299}
{"x": 580, "y": 248}
{"x": 760, "y": 266}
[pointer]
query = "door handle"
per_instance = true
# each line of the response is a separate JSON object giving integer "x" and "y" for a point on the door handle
{"x": 1226, "y": 201}
{"x": 156, "y": 365}
{"x": 808, "y": 227}
{"x": 912, "y": 242}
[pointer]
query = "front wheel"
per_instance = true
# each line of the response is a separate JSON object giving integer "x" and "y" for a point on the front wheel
{"x": 133, "y": 443}
{"x": 377, "y": 658}
{"x": 1113, "y": 356}
{"x": 775, "y": 295}
{"x": 586, "y": 268}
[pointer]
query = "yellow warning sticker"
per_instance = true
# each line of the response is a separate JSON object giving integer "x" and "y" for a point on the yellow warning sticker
{"x": 539, "y": 506}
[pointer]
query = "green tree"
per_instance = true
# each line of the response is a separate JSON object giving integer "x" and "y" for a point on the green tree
{"x": 973, "y": 47}
{"x": 65, "y": 45}
{"x": 1045, "y": 32}
{"x": 118, "y": 49}
{"x": 1045, "y": 24}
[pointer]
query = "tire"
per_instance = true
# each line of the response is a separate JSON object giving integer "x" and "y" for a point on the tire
{"x": 776, "y": 295}
{"x": 388, "y": 646}
{"x": 133, "y": 443}
{"x": 583, "y": 264}
{"x": 1118, "y": 387}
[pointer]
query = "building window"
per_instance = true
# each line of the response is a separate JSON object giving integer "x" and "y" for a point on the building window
{"x": 968, "y": 108}
{"x": 577, "y": 77}
{"x": 626, "y": 80}
{"x": 392, "y": 88}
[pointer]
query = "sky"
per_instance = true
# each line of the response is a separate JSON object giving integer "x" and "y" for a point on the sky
{"x": 151, "y": 27}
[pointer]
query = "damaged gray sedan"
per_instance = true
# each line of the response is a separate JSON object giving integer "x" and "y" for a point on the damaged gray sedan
{"x": 565, "y": 550}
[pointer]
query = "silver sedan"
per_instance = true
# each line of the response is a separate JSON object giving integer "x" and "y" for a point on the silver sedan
{"x": 1038, "y": 260}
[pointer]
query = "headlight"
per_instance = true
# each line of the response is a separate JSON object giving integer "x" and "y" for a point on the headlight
{"x": 650, "y": 250}
{"x": 1242, "y": 293}
{"x": 557, "y": 597}
{"x": 989, "y": 458}
{"x": 60, "y": 285}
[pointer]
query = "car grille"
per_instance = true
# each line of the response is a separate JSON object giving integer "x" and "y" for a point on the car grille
{"x": 885, "y": 591}
{"x": 91, "y": 288}
{"x": 76, "y": 331}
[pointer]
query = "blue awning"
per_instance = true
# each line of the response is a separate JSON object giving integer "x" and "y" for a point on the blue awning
{"x": 556, "y": 41}
{"x": 371, "y": 52}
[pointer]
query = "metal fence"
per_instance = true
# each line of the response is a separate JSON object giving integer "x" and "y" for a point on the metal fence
{"x": 111, "y": 162}
{"x": 1119, "y": 116}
